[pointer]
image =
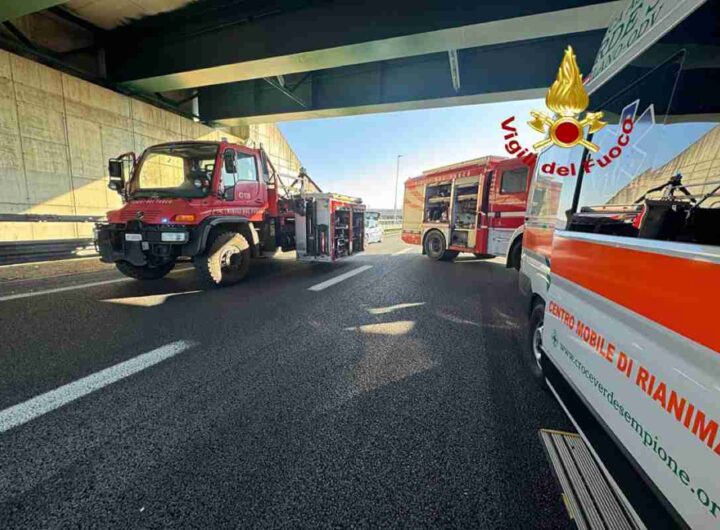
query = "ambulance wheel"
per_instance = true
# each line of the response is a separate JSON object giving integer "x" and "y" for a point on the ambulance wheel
{"x": 144, "y": 272}
{"x": 535, "y": 345}
{"x": 515, "y": 255}
{"x": 226, "y": 262}
{"x": 436, "y": 249}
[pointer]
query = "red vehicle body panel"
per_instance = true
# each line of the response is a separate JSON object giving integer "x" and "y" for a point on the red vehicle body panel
{"x": 252, "y": 199}
{"x": 498, "y": 214}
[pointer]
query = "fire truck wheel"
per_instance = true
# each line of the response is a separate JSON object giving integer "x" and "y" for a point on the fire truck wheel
{"x": 226, "y": 261}
{"x": 436, "y": 249}
{"x": 144, "y": 272}
{"x": 535, "y": 346}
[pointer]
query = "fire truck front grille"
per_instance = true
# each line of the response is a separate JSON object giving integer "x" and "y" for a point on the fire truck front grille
{"x": 148, "y": 216}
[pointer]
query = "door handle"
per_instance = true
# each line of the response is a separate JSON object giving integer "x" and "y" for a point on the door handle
{"x": 259, "y": 201}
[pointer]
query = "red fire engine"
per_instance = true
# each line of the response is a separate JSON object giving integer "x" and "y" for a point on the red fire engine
{"x": 477, "y": 206}
{"x": 219, "y": 204}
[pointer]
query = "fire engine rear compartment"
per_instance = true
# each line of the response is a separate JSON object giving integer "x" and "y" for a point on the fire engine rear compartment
{"x": 329, "y": 227}
{"x": 454, "y": 205}
{"x": 437, "y": 202}
{"x": 464, "y": 212}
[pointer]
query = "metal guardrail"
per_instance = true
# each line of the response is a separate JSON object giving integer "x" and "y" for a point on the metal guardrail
{"x": 48, "y": 218}
{"x": 390, "y": 223}
{"x": 14, "y": 252}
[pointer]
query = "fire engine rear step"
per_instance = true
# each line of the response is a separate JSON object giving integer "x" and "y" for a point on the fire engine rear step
{"x": 590, "y": 500}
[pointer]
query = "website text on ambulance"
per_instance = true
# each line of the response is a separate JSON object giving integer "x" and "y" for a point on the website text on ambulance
{"x": 677, "y": 406}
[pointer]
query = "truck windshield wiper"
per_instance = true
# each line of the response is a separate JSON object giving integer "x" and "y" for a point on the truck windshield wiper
{"x": 146, "y": 195}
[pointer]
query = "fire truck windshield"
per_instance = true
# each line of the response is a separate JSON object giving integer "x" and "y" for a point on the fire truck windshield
{"x": 178, "y": 170}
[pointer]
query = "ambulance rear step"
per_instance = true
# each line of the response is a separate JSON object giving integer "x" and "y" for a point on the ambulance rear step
{"x": 590, "y": 500}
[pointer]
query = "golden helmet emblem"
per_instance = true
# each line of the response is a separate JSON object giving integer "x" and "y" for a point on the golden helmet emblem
{"x": 567, "y": 98}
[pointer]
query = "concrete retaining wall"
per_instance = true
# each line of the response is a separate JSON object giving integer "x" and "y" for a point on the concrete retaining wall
{"x": 57, "y": 133}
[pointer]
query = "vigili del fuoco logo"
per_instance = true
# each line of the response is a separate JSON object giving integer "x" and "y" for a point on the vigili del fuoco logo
{"x": 567, "y": 99}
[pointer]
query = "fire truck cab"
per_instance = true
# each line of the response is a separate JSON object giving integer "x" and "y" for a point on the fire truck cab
{"x": 477, "y": 206}
{"x": 621, "y": 266}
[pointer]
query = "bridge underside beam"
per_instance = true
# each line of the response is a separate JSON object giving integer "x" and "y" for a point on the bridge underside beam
{"x": 12, "y": 9}
{"x": 521, "y": 70}
{"x": 166, "y": 53}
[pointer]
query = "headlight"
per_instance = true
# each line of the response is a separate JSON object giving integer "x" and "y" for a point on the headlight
{"x": 173, "y": 237}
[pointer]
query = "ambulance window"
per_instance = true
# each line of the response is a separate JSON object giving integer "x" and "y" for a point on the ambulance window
{"x": 551, "y": 195}
{"x": 514, "y": 180}
{"x": 657, "y": 170}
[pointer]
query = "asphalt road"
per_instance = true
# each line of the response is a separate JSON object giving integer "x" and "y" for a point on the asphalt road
{"x": 398, "y": 397}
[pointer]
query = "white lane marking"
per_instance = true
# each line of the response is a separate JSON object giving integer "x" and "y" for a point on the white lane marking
{"x": 391, "y": 308}
{"x": 456, "y": 320}
{"x": 61, "y": 289}
{"x": 403, "y": 251}
{"x": 338, "y": 279}
{"x": 54, "y": 399}
{"x": 73, "y": 287}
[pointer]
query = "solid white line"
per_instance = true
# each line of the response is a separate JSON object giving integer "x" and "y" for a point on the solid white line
{"x": 403, "y": 251}
{"x": 61, "y": 289}
{"x": 338, "y": 279}
{"x": 44, "y": 403}
{"x": 31, "y": 263}
{"x": 72, "y": 287}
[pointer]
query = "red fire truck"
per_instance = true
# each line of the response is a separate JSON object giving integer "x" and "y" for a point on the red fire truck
{"x": 219, "y": 204}
{"x": 477, "y": 206}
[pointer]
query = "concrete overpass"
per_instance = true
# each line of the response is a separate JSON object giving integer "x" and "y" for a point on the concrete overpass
{"x": 238, "y": 62}
{"x": 242, "y": 64}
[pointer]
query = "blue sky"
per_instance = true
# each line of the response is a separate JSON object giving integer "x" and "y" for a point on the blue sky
{"x": 356, "y": 155}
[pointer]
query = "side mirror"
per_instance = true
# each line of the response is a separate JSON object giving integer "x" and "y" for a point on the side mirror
{"x": 229, "y": 161}
{"x": 265, "y": 167}
{"x": 229, "y": 193}
{"x": 117, "y": 175}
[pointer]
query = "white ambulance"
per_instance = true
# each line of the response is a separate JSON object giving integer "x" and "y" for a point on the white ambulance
{"x": 621, "y": 264}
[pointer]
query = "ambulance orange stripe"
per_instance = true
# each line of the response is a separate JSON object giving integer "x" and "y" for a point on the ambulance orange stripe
{"x": 538, "y": 240}
{"x": 677, "y": 293}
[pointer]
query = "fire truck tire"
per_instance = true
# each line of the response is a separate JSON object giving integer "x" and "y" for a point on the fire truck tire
{"x": 144, "y": 272}
{"x": 226, "y": 261}
{"x": 436, "y": 249}
{"x": 535, "y": 350}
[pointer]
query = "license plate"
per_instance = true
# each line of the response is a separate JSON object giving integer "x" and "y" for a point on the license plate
{"x": 133, "y": 237}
